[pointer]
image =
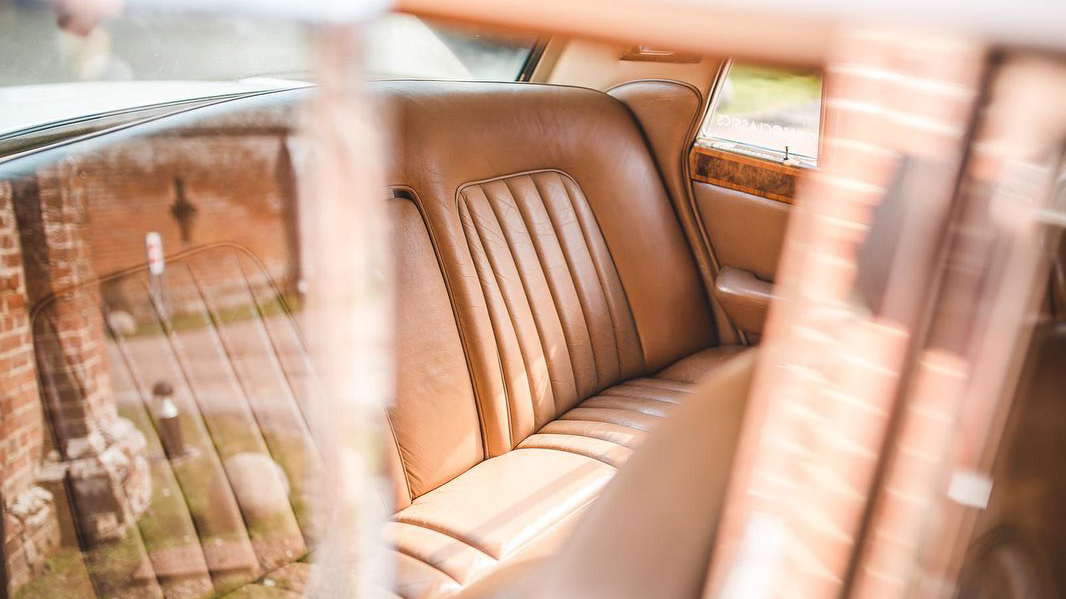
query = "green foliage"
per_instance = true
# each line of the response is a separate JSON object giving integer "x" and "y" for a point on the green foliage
{"x": 757, "y": 90}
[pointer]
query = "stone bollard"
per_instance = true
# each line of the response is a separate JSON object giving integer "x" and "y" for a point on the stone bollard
{"x": 169, "y": 422}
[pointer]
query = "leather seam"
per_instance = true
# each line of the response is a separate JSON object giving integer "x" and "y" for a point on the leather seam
{"x": 639, "y": 430}
{"x": 495, "y": 334}
{"x": 399, "y": 454}
{"x": 628, "y": 409}
{"x": 459, "y": 191}
{"x": 610, "y": 422}
{"x": 648, "y": 389}
{"x": 511, "y": 315}
{"x": 446, "y": 533}
{"x": 644, "y": 385}
{"x": 666, "y": 378}
{"x": 422, "y": 560}
{"x": 587, "y": 436}
{"x": 646, "y": 398}
{"x": 619, "y": 409}
{"x": 584, "y": 455}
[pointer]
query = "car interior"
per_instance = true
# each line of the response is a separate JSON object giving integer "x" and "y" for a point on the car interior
{"x": 540, "y": 234}
{"x": 581, "y": 270}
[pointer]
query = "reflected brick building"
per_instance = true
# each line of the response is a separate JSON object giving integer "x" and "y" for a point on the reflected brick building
{"x": 75, "y": 471}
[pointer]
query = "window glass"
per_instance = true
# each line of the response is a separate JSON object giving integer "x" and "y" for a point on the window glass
{"x": 760, "y": 111}
{"x": 139, "y": 58}
{"x": 405, "y": 46}
{"x": 145, "y": 46}
{"x": 149, "y": 46}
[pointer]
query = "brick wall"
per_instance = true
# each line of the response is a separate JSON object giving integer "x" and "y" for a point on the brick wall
{"x": 30, "y": 526}
{"x": 86, "y": 217}
{"x": 91, "y": 219}
{"x": 70, "y": 338}
{"x": 20, "y": 419}
{"x": 193, "y": 188}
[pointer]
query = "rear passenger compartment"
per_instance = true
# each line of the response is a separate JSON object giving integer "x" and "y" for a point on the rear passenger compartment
{"x": 577, "y": 300}
{"x": 549, "y": 314}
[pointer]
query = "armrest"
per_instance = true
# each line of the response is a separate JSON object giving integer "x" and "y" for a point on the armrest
{"x": 744, "y": 297}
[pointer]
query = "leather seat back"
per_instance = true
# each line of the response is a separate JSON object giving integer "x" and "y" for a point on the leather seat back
{"x": 560, "y": 247}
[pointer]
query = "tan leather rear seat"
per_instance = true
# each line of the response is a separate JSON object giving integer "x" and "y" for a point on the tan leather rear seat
{"x": 550, "y": 314}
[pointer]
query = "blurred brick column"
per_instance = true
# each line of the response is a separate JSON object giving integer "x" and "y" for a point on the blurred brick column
{"x": 945, "y": 451}
{"x": 30, "y": 526}
{"x": 101, "y": 453}
{"x": 897, "y": 108}
{"x": 69, "y": 331}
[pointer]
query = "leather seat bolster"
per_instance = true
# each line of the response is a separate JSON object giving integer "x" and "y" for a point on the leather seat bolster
{"x": 434, "y": 424}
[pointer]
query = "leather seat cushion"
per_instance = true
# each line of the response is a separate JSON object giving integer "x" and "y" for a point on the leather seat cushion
{"x": 652, "y": 531}
{"x": 609, "y": 425}
{"x": 490, "y": 513}
{"x": 522, "y": 503}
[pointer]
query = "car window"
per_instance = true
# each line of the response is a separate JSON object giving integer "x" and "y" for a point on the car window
{"x": 54, "y": 73}
{"x": 405, "y": 46}
{"x": 139, "y": 46}
{"x": 766, "y": 112}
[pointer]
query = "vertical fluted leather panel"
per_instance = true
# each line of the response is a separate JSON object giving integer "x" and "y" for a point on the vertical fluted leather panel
{"x": 453, "y": 136}
{"x": 561, "y": 322}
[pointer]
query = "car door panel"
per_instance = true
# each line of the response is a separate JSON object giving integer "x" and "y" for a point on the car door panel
{"x": 747, "y": 233}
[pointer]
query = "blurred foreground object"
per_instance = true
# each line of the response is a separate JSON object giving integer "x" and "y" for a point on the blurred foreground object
{"x": 350, "y": 315}
{"x": 860, "y": 254}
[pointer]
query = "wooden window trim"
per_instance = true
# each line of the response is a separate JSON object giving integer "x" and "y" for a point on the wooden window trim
{"x": 764, "y": 178}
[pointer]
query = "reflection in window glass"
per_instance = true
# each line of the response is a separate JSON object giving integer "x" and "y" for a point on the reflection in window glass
{"x": 404, "y": 46}
{"x": 140, "y": 58}
{"x": 144, "y": 46}
{"x": 761, "y": 111}
{"x": 148, "y": 46}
